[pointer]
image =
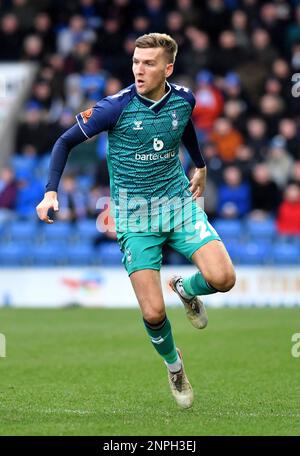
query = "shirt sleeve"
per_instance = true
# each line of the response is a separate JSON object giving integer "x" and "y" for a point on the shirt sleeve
{"x": 190, "y": 142}
{"x": 60, "y": 153}
{"x": 102, "y": 117}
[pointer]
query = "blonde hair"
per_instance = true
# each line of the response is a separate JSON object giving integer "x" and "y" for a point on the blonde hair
{"x": 156, "y": 40}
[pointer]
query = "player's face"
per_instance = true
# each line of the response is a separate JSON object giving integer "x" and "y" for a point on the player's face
{"x": 151, "y": 68}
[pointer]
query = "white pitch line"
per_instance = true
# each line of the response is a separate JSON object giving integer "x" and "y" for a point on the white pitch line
{"x": 253, "y": 414}
{"x": 48, "y": 410}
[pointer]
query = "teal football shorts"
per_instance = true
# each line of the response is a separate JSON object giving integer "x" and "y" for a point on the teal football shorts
{"x": 184, "y": 231}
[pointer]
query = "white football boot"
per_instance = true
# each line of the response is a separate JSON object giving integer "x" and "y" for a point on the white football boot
{"x": 181, "y": 388}
{"x": 194, "y": 307}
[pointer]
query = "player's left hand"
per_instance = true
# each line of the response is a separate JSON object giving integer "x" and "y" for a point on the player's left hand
{"x": 197, "y": 183}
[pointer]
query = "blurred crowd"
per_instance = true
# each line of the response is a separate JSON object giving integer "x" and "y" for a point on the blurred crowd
{"x": 239, "y": 58}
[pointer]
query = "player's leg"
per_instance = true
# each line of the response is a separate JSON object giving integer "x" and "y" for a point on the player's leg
{"x": 201, "y": 244}
{"x": 147, "y": 286}
{"x": 216, "y": 271}
{"x": 142, "y": 260}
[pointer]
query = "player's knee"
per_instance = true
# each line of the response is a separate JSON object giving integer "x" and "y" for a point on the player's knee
{"x": 223, "y": 280}
{"x": 154, "y": 316}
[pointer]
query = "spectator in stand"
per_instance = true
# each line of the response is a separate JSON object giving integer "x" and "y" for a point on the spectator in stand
{"x": 263, "y": 50}
{"x": 75, "y": 32}
{"x": 272, "y": 22}
{"x": 72, "y": 205}
{"x": 30, "y": 191}
{"x": 288, "y": 218}
{"x": 93, "y": 80}
{"x": 56, "y": 63}
{"x": 175, "y": 28}
{"x": 113, "y": 86}
{"x": 295, "y": 58}
{"x": 10, "y": 38}
{"x": 256, "y": 66}
{"x": 272, "y": 109}
{"x": 32, "y": 130}
{"x": 235, "y": 112}
{"x": 75, "y": 61}
{"x": 155, "y": 11}
{"x": 256, "y": 136}
{"x": 234, "y": 196}
{"x": 282, "y": 72}
{"x": 24, "y": 10}
{"x": 214, "y": 163}
{"x": 228, "y": 56}
{"x": 232, "y": 87}
{"x": 239, "y": 22}
{"x": 293, "y": 30}
{"x": 42, "y": 27}
{"x": 90, "y": 10}
{"x": 42, "y": 95}
{"x": 33, "y": 48}
{"x": 209, "y": 104}
{"x": 109, "y": 43}
{"x": 288, "y": 130}
{"x": 279, "y": 162}
{"x": 8, "y": 194}
{"x": 215, "y": 18}
{"x": 226, "y": 139}
{"x": 124, "y": 63}
{"x": 245, "y": 160}
{"x": 265, "y": 193}
{"x": 198, "y": 53}
{"x": 189, "y": 11}
{"x": 295, "y": 177}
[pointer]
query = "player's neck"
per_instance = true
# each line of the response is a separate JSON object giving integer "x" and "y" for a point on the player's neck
{"x": 158, "y": 93}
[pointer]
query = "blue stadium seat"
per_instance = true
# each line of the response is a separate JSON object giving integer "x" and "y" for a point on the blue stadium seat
{"x": 58, "y": 231}
{"x": 233, "y": 247}
{"x": 23, "y": 230}
{"x": 24, "y": 163}
{"x": 255, "y": 253}
{"x": 286, "y": 254}
{"x": 109, "y": 253}
{"x": 228, "y": 229}
{"x": 48, "y": 254}
{"x": 87, "y": 230}
{"x": 14, "y": 255}
{"x": 261, "y": 229}
{"x": 81, "y": 254}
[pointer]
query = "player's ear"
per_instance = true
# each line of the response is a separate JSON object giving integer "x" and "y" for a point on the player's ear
{"x": 169, "y": 69}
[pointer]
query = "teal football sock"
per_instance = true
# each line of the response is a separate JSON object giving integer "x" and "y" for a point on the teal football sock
{"x": 162, "y": 339}
{"x": 196, "y": 285}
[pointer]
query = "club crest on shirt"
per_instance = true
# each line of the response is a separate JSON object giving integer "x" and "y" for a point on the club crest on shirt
{"x": 174, "y": 120}
{"x": 86, "y": 115}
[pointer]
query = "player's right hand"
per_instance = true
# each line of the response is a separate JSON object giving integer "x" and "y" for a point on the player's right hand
{"x": 49, "y": 202}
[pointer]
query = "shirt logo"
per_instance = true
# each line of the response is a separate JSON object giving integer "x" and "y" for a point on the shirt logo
{"x": 157, "y": 340}
{"x": 138, "y": 125}
{"x": 155, "y": 156}
{"x": 86, "y": 115}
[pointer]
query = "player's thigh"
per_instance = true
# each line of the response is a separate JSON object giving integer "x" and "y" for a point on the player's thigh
{"x": 142, "y": 260}
{"x": 147, "y": 287}
{"x": 193, "y": 232}
{"x": 141, "y": 251}
{"x": 213, "y": 261}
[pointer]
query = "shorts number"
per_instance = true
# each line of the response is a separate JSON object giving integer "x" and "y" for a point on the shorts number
{"x": 203, "y": 231}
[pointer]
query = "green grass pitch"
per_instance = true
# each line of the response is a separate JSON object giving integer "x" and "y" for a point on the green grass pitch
{"x": 94, "y": 372}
